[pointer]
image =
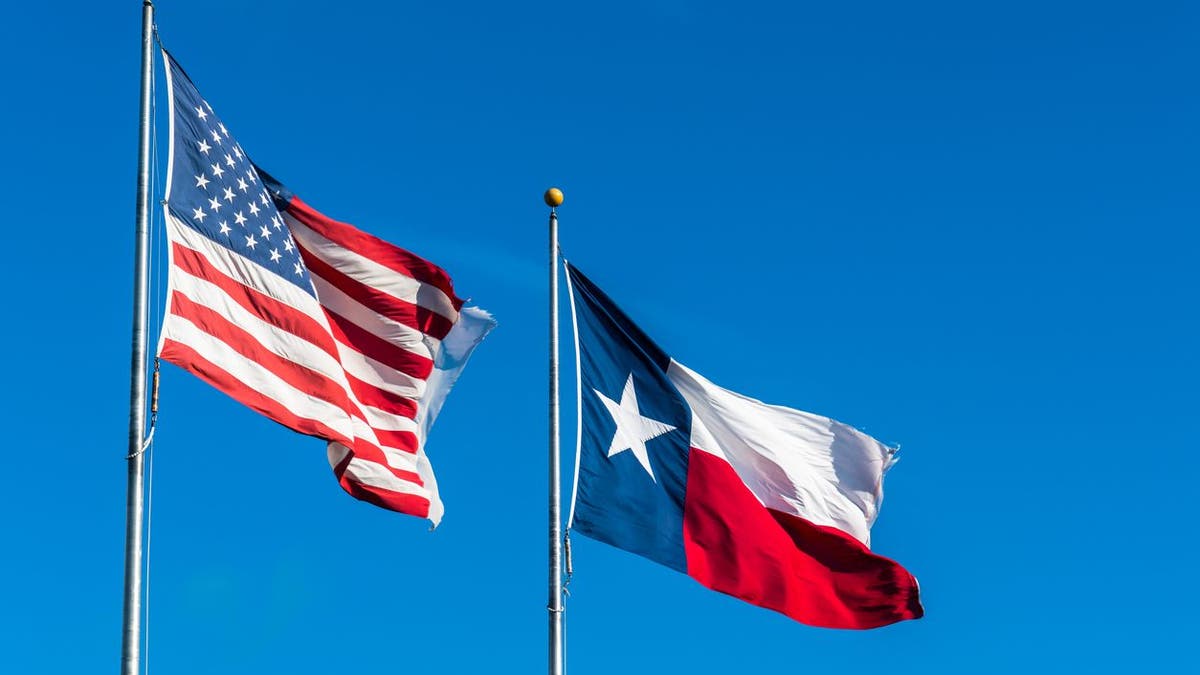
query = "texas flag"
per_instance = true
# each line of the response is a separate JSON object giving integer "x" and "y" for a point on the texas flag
{"x": 764, "y": 503}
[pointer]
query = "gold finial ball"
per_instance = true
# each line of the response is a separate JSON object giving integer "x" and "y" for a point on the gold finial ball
{"x": 553, "y": 197}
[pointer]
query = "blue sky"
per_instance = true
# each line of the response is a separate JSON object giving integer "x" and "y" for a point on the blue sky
{"x": 967, "y": 228}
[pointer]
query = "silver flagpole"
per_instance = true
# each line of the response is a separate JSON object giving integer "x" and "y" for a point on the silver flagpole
{"x": 553, "y": 199}
{"x": 135, "y": 487}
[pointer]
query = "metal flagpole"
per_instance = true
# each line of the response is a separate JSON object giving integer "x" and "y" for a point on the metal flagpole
{"x": 553, "y": 199}
{"x": 135, "y": 487}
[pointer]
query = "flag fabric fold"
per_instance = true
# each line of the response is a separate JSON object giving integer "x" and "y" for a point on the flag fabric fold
{"x": 311, "y": 322}
{"x": 765, "y": 503}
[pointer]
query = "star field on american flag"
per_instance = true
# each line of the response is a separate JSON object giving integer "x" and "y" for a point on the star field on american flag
{"x": 217, "y": 191}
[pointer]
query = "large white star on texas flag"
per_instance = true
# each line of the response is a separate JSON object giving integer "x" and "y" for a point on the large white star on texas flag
{"x": 633, "y": 429}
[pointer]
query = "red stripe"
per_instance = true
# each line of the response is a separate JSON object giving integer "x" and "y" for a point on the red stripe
{"x": 297, "y": 375}
{"x": 405, "y": 441}
{"x": 816, "y": 575}
{"x": 368, "y": 246}
{"x": 389, "y": 402}
{"x": 388, "y": 353}
{"x": 189, "y": 359}
{"x": 266, "y": 308}
{"x": 380, "y": 302}
{"x": 395, "y": 501}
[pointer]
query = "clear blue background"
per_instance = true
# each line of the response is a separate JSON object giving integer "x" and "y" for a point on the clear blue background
{"x": 969, "y": 228}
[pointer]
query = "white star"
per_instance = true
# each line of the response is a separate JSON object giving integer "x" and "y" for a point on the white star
{"x": 250, "y": 241}
{"x": 242, "y": 185}
{"x": 633, "y": 429}
{"x": 251, "y": 176}
{"x": 223, "y": 129}
{"x": 287, "y": 245}
{"x": 277, "y": 221}
{"x": 225, "y": 229}
{"x": 204, "y": 146}
{"x": 214, "y": 204}
{"x": 217, "y": 170}
{"x": 237, "y": 150}
{"x": 202, "y": 182}
{"x": 254, "y": 209}
{"x": 298, "y": 272}
{"x": 264, "y": 199}
{"x": 275, "y": 255}
{"x": 200, "y": 113}
{"x": 266, "y": 233}
{"x": 228, "y": 196}
{"x": 239, "y": 218}
{"x": 216, "y": 137}
{"x": 229, "y": 160}
{"x": 198, "y": 214}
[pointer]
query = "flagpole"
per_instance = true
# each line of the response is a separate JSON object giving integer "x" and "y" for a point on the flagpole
{"x": 135, "y": 486}
{"x": 553, "y": 199}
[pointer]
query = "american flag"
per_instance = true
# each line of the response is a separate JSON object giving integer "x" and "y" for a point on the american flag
{"x": 313, "y": 323}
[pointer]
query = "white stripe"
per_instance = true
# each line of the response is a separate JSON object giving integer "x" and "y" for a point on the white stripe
{"x": 255, "y": 376}
{"x": 399, "y": 459}
{"x": 472, "y": 327}
{"x": 386, "y": 421}
{"x": 405, "y": 337}
{"x": 167, "y": 192}
{"x": 172, "y": 272}
{"x": 166, "y": 61}
{"x": 367, "y": 271}
{"x": 795, "y": 462}
{"x": 578, "y": 395}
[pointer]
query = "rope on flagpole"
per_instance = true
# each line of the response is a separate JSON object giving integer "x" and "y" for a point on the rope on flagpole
{"x": 578, "y": 398}
{"x": 570, "y": 563}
